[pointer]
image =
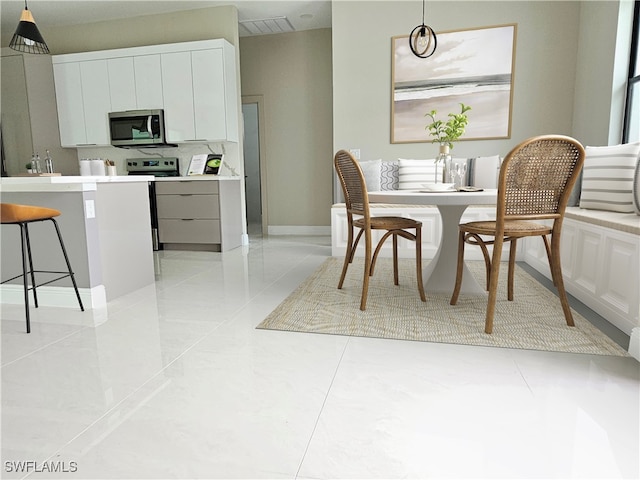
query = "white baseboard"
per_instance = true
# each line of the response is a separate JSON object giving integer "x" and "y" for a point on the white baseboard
{"x": 298, "y": 230}
{"x": 92, "y": 298}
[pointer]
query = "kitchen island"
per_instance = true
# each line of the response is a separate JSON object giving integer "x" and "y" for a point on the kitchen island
{"x": 106, "y": 227}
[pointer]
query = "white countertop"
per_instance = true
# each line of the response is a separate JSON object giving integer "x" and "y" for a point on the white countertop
{"x": 61, "y": 183}
{"x": 77, "y": 183}
{"x": 197, "y": 177}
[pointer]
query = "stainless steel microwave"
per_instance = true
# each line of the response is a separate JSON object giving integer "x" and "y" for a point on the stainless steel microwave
{"x": 137, "y": 128}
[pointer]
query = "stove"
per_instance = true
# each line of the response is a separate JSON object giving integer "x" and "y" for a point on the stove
{"x": 158, "y": 167}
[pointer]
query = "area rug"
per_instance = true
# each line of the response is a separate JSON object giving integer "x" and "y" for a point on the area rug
{"x": 533, "y": 321}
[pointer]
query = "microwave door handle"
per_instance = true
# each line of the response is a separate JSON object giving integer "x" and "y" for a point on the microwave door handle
{"x": 149, "y": 126}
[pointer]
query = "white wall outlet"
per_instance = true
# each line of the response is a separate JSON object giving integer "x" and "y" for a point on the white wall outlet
{"x": 355, "y": 152}
{"x": 90, "y": 208}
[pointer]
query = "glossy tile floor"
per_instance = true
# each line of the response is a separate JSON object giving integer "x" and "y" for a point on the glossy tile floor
{"x": 177, "y": 383}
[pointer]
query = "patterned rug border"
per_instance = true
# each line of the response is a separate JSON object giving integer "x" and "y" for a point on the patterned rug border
{"x": 533, "y": 321}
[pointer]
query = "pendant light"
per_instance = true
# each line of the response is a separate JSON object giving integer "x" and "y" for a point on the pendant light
{"x": 27, "y": 37}
{"x": 423, "y": 40}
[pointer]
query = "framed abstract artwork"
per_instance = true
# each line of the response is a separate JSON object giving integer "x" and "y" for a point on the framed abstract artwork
{"x": 474, "y": 67}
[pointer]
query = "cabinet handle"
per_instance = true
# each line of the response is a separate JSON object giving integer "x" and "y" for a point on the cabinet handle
{"x": 187, "y": 219}
{"x": 186, "y": 194}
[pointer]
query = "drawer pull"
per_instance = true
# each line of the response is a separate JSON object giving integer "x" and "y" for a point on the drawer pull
{"x": 187, "y": 219}
{"x": 186, "y": 194}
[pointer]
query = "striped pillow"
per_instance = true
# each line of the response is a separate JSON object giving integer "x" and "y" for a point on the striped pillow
{"x": 413, "y": 174}
{"x": 607, "y": 177}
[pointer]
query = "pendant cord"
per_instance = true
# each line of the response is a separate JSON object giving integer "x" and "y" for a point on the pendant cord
{"x": 423, "y": 6}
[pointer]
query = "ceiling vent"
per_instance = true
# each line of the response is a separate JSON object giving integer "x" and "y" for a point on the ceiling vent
{"x": 266, "y": 26}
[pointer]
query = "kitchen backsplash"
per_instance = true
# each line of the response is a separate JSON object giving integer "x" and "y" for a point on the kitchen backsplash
{"x": 184, "y": 152}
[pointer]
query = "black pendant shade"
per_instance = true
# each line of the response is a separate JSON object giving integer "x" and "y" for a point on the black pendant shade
{"x": 27, "y": 37}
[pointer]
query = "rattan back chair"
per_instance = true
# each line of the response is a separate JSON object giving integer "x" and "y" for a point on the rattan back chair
{"x": 358, "y": 216}
{"x": 536, "y": 179}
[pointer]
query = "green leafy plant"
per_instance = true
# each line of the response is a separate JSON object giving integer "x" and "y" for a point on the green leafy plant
{"x": 449, "y": 131}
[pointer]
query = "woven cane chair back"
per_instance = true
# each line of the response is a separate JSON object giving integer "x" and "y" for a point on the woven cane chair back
{"x": 353, "y": 184}
{"x": 536, "y": 177}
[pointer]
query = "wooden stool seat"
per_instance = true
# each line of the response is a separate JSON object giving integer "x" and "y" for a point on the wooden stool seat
{"x": 23, "y": 215}
{"x": 13, "y": 213}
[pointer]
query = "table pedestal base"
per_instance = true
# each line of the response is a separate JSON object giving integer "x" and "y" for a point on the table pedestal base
{"x": 440, "y": 274}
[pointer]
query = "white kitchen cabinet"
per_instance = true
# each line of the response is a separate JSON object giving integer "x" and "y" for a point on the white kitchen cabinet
{"x": 135, "y": 83}
{"x": 84, "y": 102}
{"x": 70, "y": 105}
{"x": 148, "y": 82}
{"x": 209, "y": 99}
{"x": 122, "y": 83}
{"x": 200, "y": 106}
{"x": 177, "y": 93}
{"x": 199, "y": 214}
{"x": 194, "y": 82}
{"x": 97, "y": 101}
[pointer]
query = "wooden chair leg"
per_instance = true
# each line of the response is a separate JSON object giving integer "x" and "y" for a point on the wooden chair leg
{"x": 485, "y": 254}
{"x": 383, "y": 239}
{"x": 556, "y": 269}
{"x": 493, "y": 284}
{"x": 396, "y": 280}
{"x": 419, "y": 263}
{"x": 348, "y": 256}
{"x": 456, "y": 288}
{"x": 512, "y": 267}
{"x": 367, "y": 270}
{"x": 547, "y": 248}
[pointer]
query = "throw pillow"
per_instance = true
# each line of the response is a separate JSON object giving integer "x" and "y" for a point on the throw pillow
{"x": 607, "y": 177}
{"x": 483, "y": 171}
{"x": 413, "y": 174}
{"x": 371, "y": 171}
{"x": 389, "y": 176}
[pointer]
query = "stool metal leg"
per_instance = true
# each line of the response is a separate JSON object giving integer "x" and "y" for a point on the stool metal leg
{"x": 66, "y": 259}
{"x": 23, "y": 241}
{"x": 33, "y": 277}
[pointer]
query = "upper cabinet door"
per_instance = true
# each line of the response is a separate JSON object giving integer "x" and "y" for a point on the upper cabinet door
{"x": 122, "y": 83}
{"x": 148, "y": 82}
{"x": 177, "y": 93}
{"x": 70, "y": 104}
{"x": 209, "y": 94}
{"x": 97, "y": 101}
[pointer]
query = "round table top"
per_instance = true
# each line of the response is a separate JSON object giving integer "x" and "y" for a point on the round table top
{"x": 417, "y": 197}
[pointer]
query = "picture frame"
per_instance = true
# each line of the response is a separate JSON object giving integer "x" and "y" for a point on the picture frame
{"x": 473, "y": 66}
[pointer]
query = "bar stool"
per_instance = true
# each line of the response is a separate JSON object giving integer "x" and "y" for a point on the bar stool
{"x": 23, "y": 215}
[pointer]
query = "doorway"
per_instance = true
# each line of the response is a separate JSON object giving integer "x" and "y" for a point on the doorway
{"x": 254, "y": 170}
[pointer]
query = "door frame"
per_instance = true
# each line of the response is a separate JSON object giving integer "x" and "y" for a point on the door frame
{"x": 259, "y": 100}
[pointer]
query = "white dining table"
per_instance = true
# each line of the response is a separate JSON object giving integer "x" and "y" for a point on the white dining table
{"x": 439, "y": 274}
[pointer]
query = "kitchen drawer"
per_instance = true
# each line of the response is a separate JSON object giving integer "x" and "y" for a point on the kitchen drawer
{"x": 193, "y": 187}
{"x": 189, "y": 231}
{"x": 188, "y": 206}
